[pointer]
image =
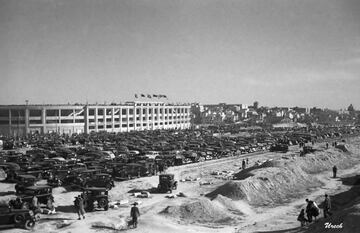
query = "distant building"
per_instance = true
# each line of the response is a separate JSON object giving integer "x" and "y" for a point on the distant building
{"x": 19, "y": 120}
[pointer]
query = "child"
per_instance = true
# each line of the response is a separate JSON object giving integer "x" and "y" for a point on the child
{"x": 301, "y": 218}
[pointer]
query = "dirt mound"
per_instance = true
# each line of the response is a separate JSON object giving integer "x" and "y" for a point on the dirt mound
{"x": 199, "y": 211}
{"x": 232, "y": 206}
{"x": 269, "y": 185}
{"x": 278, "y": 181}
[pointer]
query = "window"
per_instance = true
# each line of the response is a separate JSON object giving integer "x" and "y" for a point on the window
{"x": 52, "y": 112}
{"x": 66, "y": 112}
{"x": 123, "y": 111}
{"x": 138, "y": 111}
{"x": 67, "y": 121}
{"x": 52, "y": 121}
{"x": 100, "y": 111}
{"x": 4, "y": 112}
{"x": 131, "y": 111}
{"x": 4, "y": 122}
{"x": 35, "y": 121}
{"x": 91, "y": 112}
{"x": 79, "y": 120}
{"x": 108, "y": 127}
{"x": 34, "y": 112}
{"x": 124, "y": 125}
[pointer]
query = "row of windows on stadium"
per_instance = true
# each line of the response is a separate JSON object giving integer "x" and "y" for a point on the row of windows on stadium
{"x": 131, "y": 125}
{"x": 21, "y": 121}
{"x": 80, "y": 112}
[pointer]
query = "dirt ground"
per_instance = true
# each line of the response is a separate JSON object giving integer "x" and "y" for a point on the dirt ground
{"x": 266, "y": 198}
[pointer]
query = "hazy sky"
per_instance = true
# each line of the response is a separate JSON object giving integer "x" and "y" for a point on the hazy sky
{"x": 279, "y": 52}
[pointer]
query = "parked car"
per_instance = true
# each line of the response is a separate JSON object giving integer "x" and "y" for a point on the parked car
{"x": 167, "y": 183}
{"x": 95, "y": 195}
{"x": 100, "y": 180}
{"x": 42, "y": 193}
{"x": 19, "y": 218}
{"x": 24, "y": 181}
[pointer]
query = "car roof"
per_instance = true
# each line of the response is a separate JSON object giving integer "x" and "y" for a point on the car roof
{"x": 95, "y": 189}
{"x": 36, "y": 187}
{"x": 27, "y": 176}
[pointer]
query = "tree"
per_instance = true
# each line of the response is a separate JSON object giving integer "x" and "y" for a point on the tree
{"x": 256, "y": 105}
{"x": 351, "y": 108}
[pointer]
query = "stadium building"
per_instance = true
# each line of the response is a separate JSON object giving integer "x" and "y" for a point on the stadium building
{"x": 19, "y": 120}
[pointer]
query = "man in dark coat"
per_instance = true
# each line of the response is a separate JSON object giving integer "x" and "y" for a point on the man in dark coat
{"x": 327, "y": 206}
{"x": 311, "y": 210}
{"x": 79, "y": 207}
{"x": 334, "y": 171}
{"x": 134, "y": 213}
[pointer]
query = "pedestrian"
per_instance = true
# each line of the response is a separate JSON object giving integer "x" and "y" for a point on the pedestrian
{"x": 50, "y": 205}
{"x": 301, "y": 218}
{"x": 247, "y": 161}
{"x": 243, "y": 164}
{"x": 135, "y": 214}
{"x": 35, "y": 204}
{"x": 327, "y": 145}
{"x": 327, "y": 206}
{"x": 334, "y": 171}
{"x": 312, "y": 210}
{"x": 79, "y": 207}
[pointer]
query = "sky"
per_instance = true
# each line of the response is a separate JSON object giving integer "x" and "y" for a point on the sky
{"x": 277, "y": 52}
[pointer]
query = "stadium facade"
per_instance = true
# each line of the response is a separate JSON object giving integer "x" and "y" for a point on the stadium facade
{"x": 20, "y": 120}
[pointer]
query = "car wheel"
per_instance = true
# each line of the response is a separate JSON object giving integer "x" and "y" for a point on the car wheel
{"x": 29, "y": 224}
{"x": 102, "y": 203}
{"x": 19, "y": 218}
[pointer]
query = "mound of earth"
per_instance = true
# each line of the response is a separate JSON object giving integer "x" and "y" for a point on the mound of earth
{"x": 278, "y": 181}
{"x": 232, "y": 206}
{"x": 199, "y": 211}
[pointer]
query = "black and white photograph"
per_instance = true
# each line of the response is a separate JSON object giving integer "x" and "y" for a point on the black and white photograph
{"x": 180, "y": 116}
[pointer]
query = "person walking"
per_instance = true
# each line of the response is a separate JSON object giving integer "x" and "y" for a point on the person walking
{"x": 312, "y": 210}
{"x": 301, "y": 218}
{"x": 334, "y": 171}
{"x": 79, "y": 207}
{"x": 134, "y": 214}
{"x": 243, "y": 164}
{"x": 327, "y": 206}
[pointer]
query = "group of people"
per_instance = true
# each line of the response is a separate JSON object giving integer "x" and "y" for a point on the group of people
{"x": 34, "y": 205}
{"x": 80, "y": 210}
{"x": 313, "y": 211}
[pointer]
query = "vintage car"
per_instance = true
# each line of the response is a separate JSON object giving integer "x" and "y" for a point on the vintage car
{"x": 279, "y": 147}
{"x": 24, "y": 181}
{"x": 167, "y": 183}
{"x": 19, "y": 218}
{"x": 100, "y": 180}
{"x": 42, "y": 192}
{"x": 95, "y": 195}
